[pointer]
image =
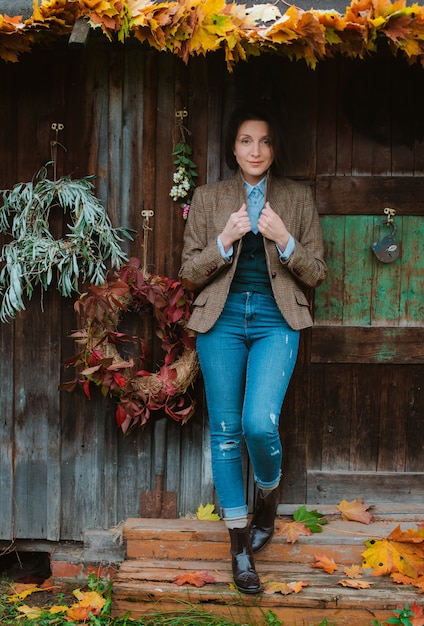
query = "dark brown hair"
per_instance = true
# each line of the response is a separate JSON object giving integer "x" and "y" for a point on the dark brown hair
{"x": 261, "y": 113}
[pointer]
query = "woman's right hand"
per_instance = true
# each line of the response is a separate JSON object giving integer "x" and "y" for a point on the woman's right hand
{"x": 237, "y": 226}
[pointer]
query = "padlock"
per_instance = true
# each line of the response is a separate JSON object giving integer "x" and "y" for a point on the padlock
{"x": 387, "y": 250}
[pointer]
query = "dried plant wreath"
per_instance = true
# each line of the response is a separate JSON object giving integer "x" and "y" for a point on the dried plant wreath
{"x": 32, "y": 255}
{"x": 137, "y": 390}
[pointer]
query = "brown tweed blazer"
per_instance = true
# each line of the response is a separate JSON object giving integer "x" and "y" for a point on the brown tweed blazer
{"x": 203, "y": 268}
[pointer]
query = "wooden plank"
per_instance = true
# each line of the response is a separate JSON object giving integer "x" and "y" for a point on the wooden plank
{"x": 161, "y": 554}
{"x": 357, "y": 270}
{"x": 293, "y": 427}
{"x": 116, "y": 130}
{"x": 411, "y": 300}
{"x": 254, "y": 616}
{"x": 337, "y": 422}
{"x": 392, "y": 435}
{"x": 148, "y": 169}
{"x": 387, "y": 279}
{"x": 344, "y": 121}
{"x": 316, "y": 417}
{"x": 6, "y": 431}
{"x": 369, "y": 486}
{"x": 192, "y": 540}
{"x": 367, "y": 344}
{"x": 327, "y": 108}
{"x": 216, "y": 76}
{"x": 300, "y": 95}
{"x": 161, "y": 238}
{"x": 414, "y": 419}
{"x": 371, "y": 146}
{"x": 329, "y": 297}
{"x": 369, "y": 195}
{"x": 7, "y": 179}
{"x": 407, "y": 86}
{"x": 364, "y": 417}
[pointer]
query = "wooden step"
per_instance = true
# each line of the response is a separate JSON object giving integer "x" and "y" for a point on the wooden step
{"x": 158, "y": 550}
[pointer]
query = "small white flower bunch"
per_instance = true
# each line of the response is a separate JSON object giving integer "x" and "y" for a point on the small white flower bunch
{"x": 182, "y": 184}
{"x": 185, "y": 168}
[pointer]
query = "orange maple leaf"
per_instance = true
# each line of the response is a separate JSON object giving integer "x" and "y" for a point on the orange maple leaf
{"x": 197, "y": 579}
{"x": 354, "y": 511}
{"x": 401, "y": 551}
{"x": 401, "y": 579}
{"x": 354, "y": 571}
{"x": 354, "y": 584}
{"x": 283, "y": 587}
{"x": 292, "y": 531}
{"x": 325, "y": 563}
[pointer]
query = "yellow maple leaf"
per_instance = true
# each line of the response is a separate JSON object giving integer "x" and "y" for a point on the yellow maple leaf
{"x": 400, "y": 552}
{"x": 89, "y": 602}
{"x": 23, "y": 591}
{"x": 31, "y": 612}
{"x": 206, "y": 513}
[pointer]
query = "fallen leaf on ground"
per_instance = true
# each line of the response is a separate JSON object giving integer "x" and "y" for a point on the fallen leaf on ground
{"x": 325, "y": 563}
{"x": 206, "y": 513}
{"x": 354, "y": 511}
{"x": 354, "y": 584}
{"x": 89, "y": 602}
{"x": 418, "y": 618}
{"x": 198, "y": 579}
{"x": 22, "y": 591}
{"x": 354, "y": 571}
{"x": 284, "y": 588}
{"x": 30, "y": 612}
{"x": 313, "y": 520}
{"x": 401, "y": 551}
{"x": 401, "y": 579}
{"x": 292, "y": 531}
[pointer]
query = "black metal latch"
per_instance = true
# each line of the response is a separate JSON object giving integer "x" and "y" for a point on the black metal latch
{"x": 387, "y": 250}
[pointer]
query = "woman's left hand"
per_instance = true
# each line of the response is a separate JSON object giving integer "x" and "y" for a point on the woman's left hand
{"x": 271, "y": 226}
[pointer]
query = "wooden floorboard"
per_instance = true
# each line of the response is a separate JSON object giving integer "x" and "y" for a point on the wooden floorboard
{"x": 160, "y": 550}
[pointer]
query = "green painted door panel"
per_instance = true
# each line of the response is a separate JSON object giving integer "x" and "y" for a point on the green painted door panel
{"x": 360, "y": 290}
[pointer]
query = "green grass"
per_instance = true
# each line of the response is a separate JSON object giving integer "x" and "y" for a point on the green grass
{"x": 188, "y": 615}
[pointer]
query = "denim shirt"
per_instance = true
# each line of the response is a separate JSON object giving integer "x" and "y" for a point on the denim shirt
{"x": 255, "y": 203}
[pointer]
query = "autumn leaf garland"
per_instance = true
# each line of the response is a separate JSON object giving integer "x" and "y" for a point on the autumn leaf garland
{"x": 197, "y": 27}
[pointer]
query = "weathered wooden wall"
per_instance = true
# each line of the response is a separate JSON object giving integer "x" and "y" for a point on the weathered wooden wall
{"x": 354, "y": 130}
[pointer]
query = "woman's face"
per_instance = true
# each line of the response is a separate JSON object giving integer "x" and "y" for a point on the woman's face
{"x": 253, "y": 150}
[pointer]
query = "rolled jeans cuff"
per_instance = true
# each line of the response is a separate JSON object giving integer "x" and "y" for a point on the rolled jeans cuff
{"x": 270, "y": 485}
{"x": 234, "y": 512}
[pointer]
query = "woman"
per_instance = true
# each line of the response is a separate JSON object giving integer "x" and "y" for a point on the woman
{"x": 251, "y": 243}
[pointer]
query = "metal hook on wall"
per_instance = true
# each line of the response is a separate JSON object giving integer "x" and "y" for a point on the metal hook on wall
{"x": 146, "y": 214}
{"x": 56, "y": 127}
{"x": 387, "y": 250}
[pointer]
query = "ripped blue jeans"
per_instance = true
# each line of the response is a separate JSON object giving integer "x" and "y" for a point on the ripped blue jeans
{"x": 247, "y": 360}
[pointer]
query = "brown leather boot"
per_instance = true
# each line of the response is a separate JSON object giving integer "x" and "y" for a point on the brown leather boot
{"x": 244, "y": 572}
{"x": 261, "y": 528}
